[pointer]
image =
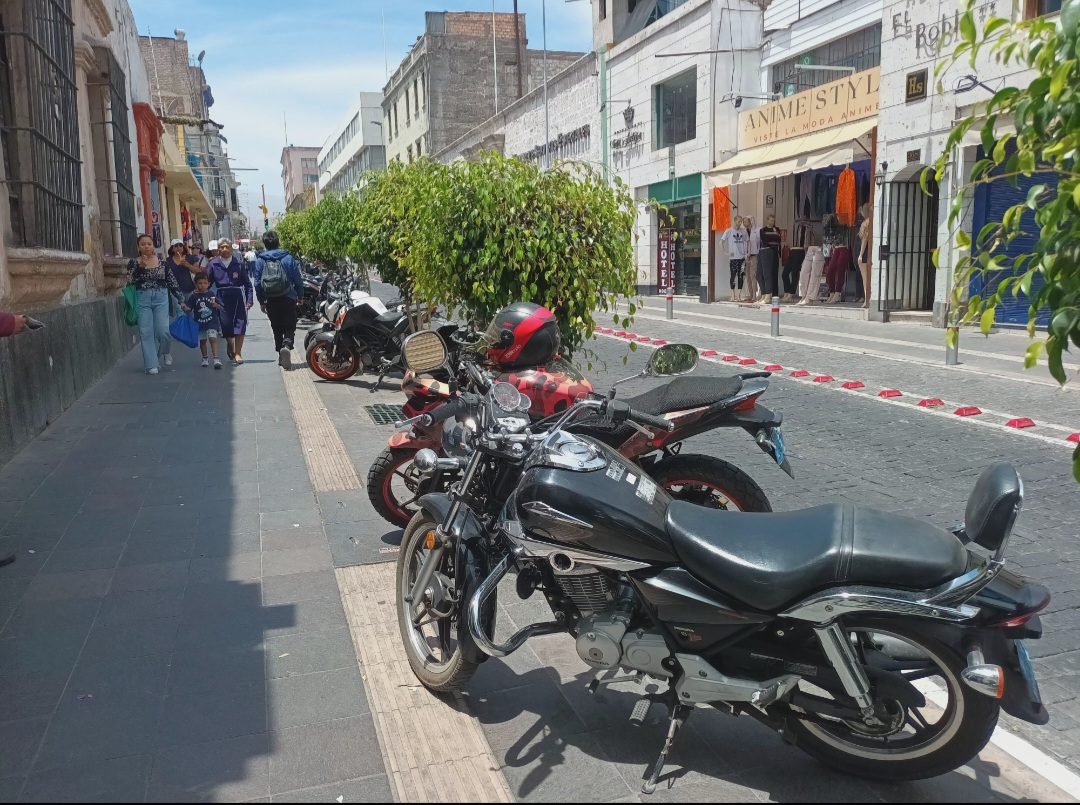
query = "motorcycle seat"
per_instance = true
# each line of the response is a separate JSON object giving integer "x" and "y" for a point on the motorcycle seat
{"x": 770, "y": 561}
{"x": 389, "y": 318}
{"x": 684, "y": 393}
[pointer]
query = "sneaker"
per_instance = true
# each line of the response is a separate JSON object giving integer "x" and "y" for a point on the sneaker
{"x": 217, "y": 363}
{"x": 205, "y": 362}
{"x": 285, "y": 358}
{"x": 168, "y": 360}
{"x": 153, "y": 371}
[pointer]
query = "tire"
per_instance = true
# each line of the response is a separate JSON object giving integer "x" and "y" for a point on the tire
{"x": 455, "y": 671}
{"x": 967, "y": 722}
{"x": 379, "y": 489}
{"x": 318, "y": 362}
{"x": 707, "y": 481}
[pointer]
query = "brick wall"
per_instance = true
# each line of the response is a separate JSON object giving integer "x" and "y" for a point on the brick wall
{"x": 479, "y": 24}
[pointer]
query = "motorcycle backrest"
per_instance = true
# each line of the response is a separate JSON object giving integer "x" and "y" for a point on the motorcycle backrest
{"x": 993, "y": 506}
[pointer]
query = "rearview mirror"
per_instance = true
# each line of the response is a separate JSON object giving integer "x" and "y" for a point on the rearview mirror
{"x": 672, "y": 359}
{"x": 423, "y": 352}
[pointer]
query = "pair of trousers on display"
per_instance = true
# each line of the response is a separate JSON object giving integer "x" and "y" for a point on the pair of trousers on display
{"x": 736, "y": 267}
{"x": 768, "y": 271}
{"x": 813, "y": 265}
{"x": 836, "y": 273}
{"x": 791, "y": 270}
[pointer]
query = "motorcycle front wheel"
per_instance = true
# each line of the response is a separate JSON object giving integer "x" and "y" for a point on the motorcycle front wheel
{"x": 711, "y": 482}
{"x": 430, "y": 633}
{"x": 322, "y": 363}
{"x": 912, "y": 743}
{"x": 394, "y": 486}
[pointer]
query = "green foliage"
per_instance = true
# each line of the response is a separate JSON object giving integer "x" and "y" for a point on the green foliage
{"x": 1046, "y": 117}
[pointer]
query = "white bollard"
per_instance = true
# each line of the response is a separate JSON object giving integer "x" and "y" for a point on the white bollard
{"x": 775, "y": 316}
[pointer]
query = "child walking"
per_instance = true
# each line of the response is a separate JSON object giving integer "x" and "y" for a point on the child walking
{"x": 206, "y": 306}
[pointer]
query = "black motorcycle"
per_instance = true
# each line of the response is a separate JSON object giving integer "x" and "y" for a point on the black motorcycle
{"x": 877, "y": 643}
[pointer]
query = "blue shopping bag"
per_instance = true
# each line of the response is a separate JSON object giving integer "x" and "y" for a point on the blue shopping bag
{"x": 185, "y": 330}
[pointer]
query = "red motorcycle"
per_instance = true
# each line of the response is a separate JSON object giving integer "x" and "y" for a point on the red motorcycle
{"x": 526, "y": 332}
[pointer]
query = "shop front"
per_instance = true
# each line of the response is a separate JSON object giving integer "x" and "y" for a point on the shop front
{"x": 807, "y": 162}
{"x": 678, "y": 257}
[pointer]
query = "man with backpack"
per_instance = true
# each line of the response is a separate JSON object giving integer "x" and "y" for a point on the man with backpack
{"x": 280, "y": 289}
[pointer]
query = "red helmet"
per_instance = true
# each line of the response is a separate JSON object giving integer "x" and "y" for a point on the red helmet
{"x": 523, "y": 334}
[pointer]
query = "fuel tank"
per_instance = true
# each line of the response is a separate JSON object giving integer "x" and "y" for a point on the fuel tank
{"x": 612, "y": 509}
{"x": 551, "y": 388}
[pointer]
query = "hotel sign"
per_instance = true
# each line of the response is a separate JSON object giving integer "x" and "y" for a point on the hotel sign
{"x": 846, "y": 100}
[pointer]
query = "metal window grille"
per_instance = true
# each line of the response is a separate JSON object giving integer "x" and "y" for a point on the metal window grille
{"x": 119, "y": 221}
{"x": 38, "y": 125}
{"x": 861, "y": 50}
{"x": 906, "y": 274}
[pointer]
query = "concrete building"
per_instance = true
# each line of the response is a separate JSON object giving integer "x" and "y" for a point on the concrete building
{"x": 668, "y": 118}
{"x": 182, "y": 97}
{"x": 354, "y": 147}
{"x": 447, "y": 84}
{"x": 299, "y": 169}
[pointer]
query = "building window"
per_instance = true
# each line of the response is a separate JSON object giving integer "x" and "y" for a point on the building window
{"x": 39, "y": 132}
{"x": 111, "y": 147}
{"x": 409, "y": 151}
{"x": 1040, "y": 8}
{"x": 676, "y": 110}
{"x": 416, "y": 95}
{"x": 423, "y": 90}
{"x": 233, "y": 200}
{"x": 419, "y": 151}
{"x": 603, "y": 8}
{"x": 861, "y": 50}
{"x": 387, "y": 129}
{"x": 395, "y": 119}
{"x": 408, "y": 114}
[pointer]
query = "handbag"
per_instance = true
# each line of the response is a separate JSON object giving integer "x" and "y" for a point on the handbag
{"x": 185, "y": 330}
{"x": 131, "y": 306}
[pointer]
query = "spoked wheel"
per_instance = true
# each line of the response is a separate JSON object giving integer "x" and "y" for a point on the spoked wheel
{"x": 710, "y": 482}
{"x": 394, "y": 486}
{"x": 429, "y": 626}
{"x": 321, "y": 361}
{"x": 908, "y": 741}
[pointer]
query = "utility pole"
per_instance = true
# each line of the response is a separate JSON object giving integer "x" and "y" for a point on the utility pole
{"x": 517, "y": 44}
{"x": 547, "y": 116}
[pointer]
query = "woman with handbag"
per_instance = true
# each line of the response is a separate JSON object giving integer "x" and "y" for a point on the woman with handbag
{"x": 235, "y": 295}
{"x": 154, "y": 284}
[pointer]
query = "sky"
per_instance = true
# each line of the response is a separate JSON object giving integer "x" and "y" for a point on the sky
{"x": 276, "y": 62}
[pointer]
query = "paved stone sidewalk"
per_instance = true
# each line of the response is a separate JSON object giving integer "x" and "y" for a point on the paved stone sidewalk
{"x": 172, "y": 629}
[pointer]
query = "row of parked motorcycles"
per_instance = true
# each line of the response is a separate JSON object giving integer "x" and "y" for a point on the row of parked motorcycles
{"x": 879, "y": 644}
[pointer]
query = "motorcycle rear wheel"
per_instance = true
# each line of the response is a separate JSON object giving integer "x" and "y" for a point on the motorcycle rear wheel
{"x": 709, "y": 481}
{"x": 433, "y": 649}
{"x": 320, "y": 362}
{"x": 920, "y": 749}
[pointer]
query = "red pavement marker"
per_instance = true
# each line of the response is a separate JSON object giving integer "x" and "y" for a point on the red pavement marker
{"x": 620, "y": 333}
{"x": 968, "y": 410}
{"x": 629, "y": 335}
{"x": 730, "y": 358}
{"x": 823, "y": 379}
{"x": 890, "y": 393}
{"x": 659, "y": 342}
{"x": 747, "y": 362}
{"x": 709, "y": 353}
{"x": 644, "y": 339}
{"x": 1074, "y": 438}
{"x": 931, "y": 402}
{"x": 774, "y": 367}
{"x": 1020, "y": 422}
{"x": 800, "y": 373}
{"x": 854, "y": 384}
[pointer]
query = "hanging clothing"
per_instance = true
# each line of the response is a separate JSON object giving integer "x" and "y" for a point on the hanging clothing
{"x": 836, "y": 271}
{"x": 846, "y": 201}
{"x": 803, "y": 204}
{"x": 721, "y": 210}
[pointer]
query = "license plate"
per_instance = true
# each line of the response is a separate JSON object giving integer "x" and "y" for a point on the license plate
{"x": 1028, "y": 671}
{"x": 777, "y": 439}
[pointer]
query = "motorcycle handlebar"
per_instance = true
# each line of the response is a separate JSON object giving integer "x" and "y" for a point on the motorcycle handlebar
{"x": 458, "y": 405}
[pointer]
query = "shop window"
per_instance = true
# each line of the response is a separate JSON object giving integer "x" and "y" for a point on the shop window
{"x": 1040, "y": 8}
{"x": 676, "y": 110}
{"x": 41, "y": 147}
{"x": 860, "y": 50}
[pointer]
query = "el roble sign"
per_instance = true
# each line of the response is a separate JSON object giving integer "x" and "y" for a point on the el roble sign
{"x": 665, "y": 248}
{"x": 846, "y": 100}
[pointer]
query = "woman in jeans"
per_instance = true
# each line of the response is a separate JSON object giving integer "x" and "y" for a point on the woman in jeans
{"x": 154, "y": 284}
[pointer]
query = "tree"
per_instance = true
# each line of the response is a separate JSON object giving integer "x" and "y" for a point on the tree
{"x": 1045, "y": 116}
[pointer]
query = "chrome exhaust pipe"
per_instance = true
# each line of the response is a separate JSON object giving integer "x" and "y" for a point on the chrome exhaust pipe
{"x": 476, "y": 627}
{"x": 984, "y": 677}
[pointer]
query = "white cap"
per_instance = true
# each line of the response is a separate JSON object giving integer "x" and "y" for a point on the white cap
{"x": 212, "y": 245}
{"x": 176, "y": 242}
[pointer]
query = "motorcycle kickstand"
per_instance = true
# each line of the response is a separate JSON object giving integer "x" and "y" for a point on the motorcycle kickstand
{"x": 679, "y": 714}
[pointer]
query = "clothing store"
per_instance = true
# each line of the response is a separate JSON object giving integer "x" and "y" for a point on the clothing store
{"x": 802, "y": 188}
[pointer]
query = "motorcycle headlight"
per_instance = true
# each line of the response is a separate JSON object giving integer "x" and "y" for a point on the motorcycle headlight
{"x": 457, "y": 436}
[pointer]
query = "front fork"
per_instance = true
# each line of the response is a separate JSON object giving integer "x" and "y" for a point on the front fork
{"x": 445, "y": 533}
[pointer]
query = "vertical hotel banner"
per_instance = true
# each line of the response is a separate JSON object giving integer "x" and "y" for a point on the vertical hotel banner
{"x": 846, "y": 100}
{"x": 665, "y": 261}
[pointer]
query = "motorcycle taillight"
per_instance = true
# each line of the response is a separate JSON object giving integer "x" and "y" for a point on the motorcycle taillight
{"x": 748, "y": 404}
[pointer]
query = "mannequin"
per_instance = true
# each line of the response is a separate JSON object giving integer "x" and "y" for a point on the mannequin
{"x": 837, "y": 256}
{"x": 753, "y": 272}
{"x": 769, "y": 260}
{"x": 865, "y": 233}
{"x": 735, "y": 243}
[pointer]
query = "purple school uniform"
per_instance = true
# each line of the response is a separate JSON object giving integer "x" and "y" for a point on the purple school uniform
{"x": 234, "y": 293}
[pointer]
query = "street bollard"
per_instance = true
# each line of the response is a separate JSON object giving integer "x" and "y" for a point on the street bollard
{"x": 775, "y": 316}
{"x": 952, "y": 351}
{"x": 670, "y": 306}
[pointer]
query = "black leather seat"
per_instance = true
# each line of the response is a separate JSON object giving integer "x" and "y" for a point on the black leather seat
{"x": 685, "y": 392}
{"x": 770, "y": 561}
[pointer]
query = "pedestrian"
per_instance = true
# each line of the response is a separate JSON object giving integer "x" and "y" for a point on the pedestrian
{"x": 154, "y": 284}
{"x": 182, "y": 270}
{"x": 206, "y": 306}
{"x": 230, "y": 274}
{"x": 280, "y": 288}
{"x": 211, "y": 250}
{"x": 196, "y": 258}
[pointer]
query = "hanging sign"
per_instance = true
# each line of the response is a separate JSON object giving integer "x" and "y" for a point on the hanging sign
{"x": 665, "y": 261}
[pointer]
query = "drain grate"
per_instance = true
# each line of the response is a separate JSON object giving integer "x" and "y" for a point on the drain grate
{"x": 383, "y": 414}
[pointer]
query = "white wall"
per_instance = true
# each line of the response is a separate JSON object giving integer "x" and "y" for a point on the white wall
{"x": 799, "y": 26}
{"x": 369, "y": 106}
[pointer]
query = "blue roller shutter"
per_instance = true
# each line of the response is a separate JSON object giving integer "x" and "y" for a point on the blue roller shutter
{"x": 991, "y": 202}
